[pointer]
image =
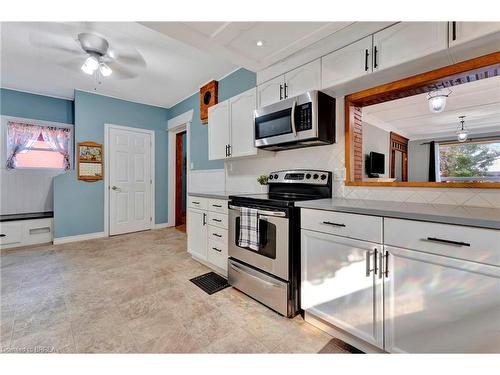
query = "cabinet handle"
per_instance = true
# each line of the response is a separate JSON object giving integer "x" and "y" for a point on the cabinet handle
{"x": 204, "y": 219}
{"x": 3, "y": 235}
{"x": 286, "y": 91}
{"x": 195, "y": 202}
{"x": 368, "y": 255}
{"x": 216, "y": 205}
{"x": 386, "y": 264}
{"x": 217, "y": 220}
{"x": 375, "y": 52}
{"x": 453, "y": 30}
{"x": 281, "y": 92}
{"x": 381, "y": 265}
{"x": 334, "y": 224}
{"x": 214, "y": 248}
{"x": 448, "y": 242}
{"x": 366, "y": 59}
{"x": 228, "y": 150}
{"x": 216, "y": 235}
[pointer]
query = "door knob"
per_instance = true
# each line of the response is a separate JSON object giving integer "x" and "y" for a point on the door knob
{"x": 115, "y": 187}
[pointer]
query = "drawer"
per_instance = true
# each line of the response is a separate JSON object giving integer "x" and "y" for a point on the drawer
{"x": 362, "y": 227}
{"x": 217, "y": 254}
{"x": 217, "y": 205}
{"x": 217, "y": 234}
{"x": 197, "y": 202}
{"x": 37, "y": 231}
{"x": 468, "y": 243}
{"x": 12, "y": 232}
{"x": 218, "y": 220}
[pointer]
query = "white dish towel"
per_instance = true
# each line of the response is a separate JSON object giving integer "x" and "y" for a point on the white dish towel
{"x": 249, "y": 229}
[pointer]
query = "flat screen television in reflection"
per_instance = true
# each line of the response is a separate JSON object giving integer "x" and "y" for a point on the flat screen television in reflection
{"x": 376, "y": 164}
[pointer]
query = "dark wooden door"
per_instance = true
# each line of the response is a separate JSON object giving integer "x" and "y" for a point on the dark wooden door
{"x": 180, "y": 177}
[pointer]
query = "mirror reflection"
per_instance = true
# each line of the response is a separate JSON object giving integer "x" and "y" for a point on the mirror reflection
{"x": 447, "y": 135}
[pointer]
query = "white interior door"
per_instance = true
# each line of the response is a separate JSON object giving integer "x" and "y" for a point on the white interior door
{"x": 130, "y": 183}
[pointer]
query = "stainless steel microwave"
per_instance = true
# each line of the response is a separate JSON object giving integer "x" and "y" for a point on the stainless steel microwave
{"x": 302, "y": 121}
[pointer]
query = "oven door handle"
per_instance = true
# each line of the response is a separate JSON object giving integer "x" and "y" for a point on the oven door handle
{"x": 263, "y": 212}
{"x": 294, "y": 128}
{"x": 240, "y": 270}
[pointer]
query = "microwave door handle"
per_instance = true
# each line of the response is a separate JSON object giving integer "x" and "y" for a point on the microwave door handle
{"x": 294, "y": 129}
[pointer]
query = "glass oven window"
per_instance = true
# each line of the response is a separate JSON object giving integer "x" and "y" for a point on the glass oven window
{"x": 274, "y": 124}
{"x": 267, "y": 238}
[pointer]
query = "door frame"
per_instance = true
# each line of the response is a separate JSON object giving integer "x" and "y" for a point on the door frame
{"x": 176, "y": 125}
{"x": 178, "y": 173}
{"x": 107, "y": 128}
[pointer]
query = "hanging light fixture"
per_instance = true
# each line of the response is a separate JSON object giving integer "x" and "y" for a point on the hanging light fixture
{"x": 105, "y": 70}
{"x": 462, "y": 133}
{"x": 437, "y": 100}
{"x": 90, "y": 65}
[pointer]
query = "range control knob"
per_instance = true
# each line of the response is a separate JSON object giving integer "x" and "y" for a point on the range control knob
{"x": 315, "y": 176}
{"x": 275, "y": 176}
{"x": 308, "y": 176}
{"x": 323, "y": 176}
{"x": 271, "y": 177}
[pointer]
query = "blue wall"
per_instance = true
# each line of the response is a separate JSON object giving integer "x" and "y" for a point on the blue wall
{"x": 78, "y": 205}
{"x": 235, "y": 83}
{"x": 39, "y": 107}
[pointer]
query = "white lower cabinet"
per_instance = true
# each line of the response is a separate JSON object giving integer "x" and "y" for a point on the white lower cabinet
{"x": 25, "y": 232}
{"x": 207, "y": 232}
{"x": 339, "y": 284}
{"x": 436, "y": 304}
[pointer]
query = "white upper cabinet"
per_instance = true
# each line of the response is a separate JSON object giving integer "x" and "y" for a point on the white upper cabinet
{"x": 347, "y": 63}
{"x": 461, "y": 32}
{"x": 408, "y": 41}
{"x": 271, "y": 91}
{"x": 218, "y": 131}
{"x": 302, "y": 79}
{"x": 241, "y": 108}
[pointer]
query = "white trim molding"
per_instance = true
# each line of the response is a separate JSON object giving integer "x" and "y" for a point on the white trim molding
{"x": 80, "y": 237}
{"x": 180, "y": 120}
{"x": 162, "y": 225}
{"x": 107, "y": 128}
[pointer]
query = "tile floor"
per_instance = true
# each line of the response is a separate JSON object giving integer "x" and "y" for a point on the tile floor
{"x": 132, "y": 293}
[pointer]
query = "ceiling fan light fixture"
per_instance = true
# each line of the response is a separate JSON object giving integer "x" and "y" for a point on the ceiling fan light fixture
{"x": 437, "y": 100}
{"x": 105, "y": 70}
{"x": 90, "y": 65}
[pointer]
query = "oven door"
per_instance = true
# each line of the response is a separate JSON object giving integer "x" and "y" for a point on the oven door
{"x": 273, "y": 255}
{"x": 289, "y": 120}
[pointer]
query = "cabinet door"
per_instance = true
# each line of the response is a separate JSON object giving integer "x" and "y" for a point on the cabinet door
{"x": 270, "y": 92}
{"x": 335, "y": 287}
{"x": 407, "y": 41}
{"x": 461, "y": 32}
{"x": 302, "y": 79}
{"x": 435, "y": 304}
{"x": 242, "y": 126}
{"x": 218, "y": 131}
{"x": 197, "y": 233}
{"x": 347, "y": 63}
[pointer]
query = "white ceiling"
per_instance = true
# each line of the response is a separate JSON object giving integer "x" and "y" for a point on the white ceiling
{"x": 237, "y": 41}
{"x": 174, "y": 70}
{"x": 410, "y": 116}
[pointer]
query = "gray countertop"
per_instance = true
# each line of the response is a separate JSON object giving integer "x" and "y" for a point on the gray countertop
{"x": 216, "y": 194}
{"x": 439, "y": 213}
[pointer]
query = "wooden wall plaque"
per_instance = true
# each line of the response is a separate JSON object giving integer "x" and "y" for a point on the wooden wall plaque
{"x": 89, "y": 161}
{"x": 209, "y": 96}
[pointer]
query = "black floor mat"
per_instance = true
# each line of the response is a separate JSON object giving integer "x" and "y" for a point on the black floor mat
{"x": 210, "y": 282}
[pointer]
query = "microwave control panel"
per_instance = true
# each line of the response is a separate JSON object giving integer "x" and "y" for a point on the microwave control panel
{"x": 303, "y": 116}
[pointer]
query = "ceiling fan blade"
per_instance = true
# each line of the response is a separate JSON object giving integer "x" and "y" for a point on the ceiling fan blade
{"x": 120, "y": 71}
{"x": 55, "y": 42}
{"x": 129, "y": 56}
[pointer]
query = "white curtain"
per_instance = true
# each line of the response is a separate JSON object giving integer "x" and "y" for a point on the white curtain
{"x": 58, "y": 140}
{"x": 19, "y": 138}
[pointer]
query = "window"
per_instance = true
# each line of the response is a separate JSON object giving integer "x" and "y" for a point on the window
{"x": 37, "y": 146}
{"x": 471, "y": 161}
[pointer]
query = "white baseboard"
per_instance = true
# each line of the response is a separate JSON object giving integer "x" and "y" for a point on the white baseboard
{"x": 80, "y": 237}
{"x": 162, "y": 225}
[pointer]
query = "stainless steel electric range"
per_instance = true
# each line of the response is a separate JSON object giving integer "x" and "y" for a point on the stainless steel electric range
{"x": 271, "y": 274}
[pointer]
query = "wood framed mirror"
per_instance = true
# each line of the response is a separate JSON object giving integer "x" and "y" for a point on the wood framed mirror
{"x": 395, "y": 137}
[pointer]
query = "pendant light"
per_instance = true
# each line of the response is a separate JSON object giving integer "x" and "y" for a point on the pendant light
{"x": 462, "y": 133}
{"x": 437, "y": 100}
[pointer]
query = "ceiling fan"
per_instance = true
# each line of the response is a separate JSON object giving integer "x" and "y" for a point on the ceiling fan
{"x": 94, "y": 54}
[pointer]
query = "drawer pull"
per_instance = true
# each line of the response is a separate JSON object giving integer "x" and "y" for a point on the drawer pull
{"x": 217, "y": 220}
{"x": 216, "y": 235}
{"x": 216, "y": 205}
{"x": 3, "y": 235}
{"x": 214, "y": 248}
{"x": 195, "y": 202}
{"x": 334, "y": 224}
{"x": 449, "y": 242}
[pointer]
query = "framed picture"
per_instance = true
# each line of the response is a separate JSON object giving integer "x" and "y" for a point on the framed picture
{"x": 90, "y": 161}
